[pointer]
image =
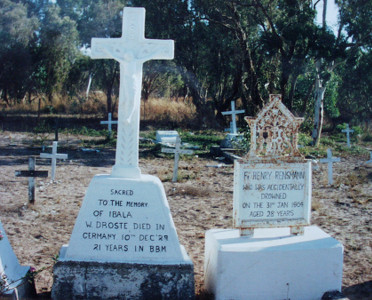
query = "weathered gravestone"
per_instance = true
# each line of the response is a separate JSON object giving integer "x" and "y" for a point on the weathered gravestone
{"x": 233, "y": 135}
{"x": 31, "y": 173}
{"x": 330, "y": 160}
{"x": 176, "y": 151}
{"x": 272, "y": 253}
{"x": 54, "y": 156}
{"x": 109, "y": 123}
{"x": 348, "y": 131}
{"x": 124, "y": 243}
{"x": 15, "y": 280}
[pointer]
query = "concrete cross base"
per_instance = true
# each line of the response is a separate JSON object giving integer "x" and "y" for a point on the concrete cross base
{"x": 231, "y": 140}
{"x": 272, "y": 264}
{"x": 110, "y": 280}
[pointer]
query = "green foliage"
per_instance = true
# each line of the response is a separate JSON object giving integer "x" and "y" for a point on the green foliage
{"x": 304, "y": 139}
{"x": 204, "y": 139}
{"x": 224, "y": 50}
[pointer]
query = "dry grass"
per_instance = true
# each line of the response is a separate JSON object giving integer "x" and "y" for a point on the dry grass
{"x": 161, "y": 111}
{"x": 169, "y": 110}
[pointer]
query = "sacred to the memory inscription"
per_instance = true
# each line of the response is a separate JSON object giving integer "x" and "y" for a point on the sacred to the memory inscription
{"x": 123, "y": 222}
{"x": 272, "y": 194}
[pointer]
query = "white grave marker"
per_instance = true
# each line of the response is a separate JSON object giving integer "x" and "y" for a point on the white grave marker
{"x": 272, "y": 253}
{"x": 177, "y": 151}
{"x": 348, "y": 131}
{"x": 54, "y": 156}
{"x": 330, "y": 160}
{"x": 131, "y": 51}
{"x": 125, "y": 222}
{"x": 109, "y": 123}
{"x": 273, "y": 182}
{"x": 16, "y": 282}
{"x": 233, "y": 114}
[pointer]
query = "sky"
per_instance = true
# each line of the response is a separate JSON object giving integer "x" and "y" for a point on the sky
{"x": 332, "y": 11}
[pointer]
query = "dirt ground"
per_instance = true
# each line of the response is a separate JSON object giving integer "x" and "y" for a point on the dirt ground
{"x": 202, "y": 202}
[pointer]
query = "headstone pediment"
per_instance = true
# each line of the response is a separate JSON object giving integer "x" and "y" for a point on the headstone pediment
{"x": 274, "y": 133}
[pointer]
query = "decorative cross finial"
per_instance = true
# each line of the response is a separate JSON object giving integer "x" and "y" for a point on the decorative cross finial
{"x": 274, "y": 132}
{"x": 131, "y": 51}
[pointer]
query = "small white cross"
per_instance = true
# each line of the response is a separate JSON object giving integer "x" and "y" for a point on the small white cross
{"x": 233, "y": 114}
{"x": 177, "y": 151}
{"x": 109, "y": 122}
{"x": 330, "y": 160}
{"x": 54, "y": 156}
{"x": 348, "y": 131}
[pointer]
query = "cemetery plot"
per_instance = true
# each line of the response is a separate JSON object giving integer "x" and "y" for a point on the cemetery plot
{"x": 198, "y": 204}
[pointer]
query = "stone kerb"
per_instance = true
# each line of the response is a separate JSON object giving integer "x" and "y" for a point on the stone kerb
{"x": 272, "y": 183}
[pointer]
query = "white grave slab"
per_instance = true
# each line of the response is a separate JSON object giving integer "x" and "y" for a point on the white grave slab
{"x": 166, "y": 136}
{"x": 124, "y": 243}
{"x": 15, "y": 273}
{"x": 273, "y": 264}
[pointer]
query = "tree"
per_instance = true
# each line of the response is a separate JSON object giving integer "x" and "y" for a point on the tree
{"x": 58, "y": 41}
{"x": 101, "y": 19}
{"x": 353, "y": 33}
{"x": 17, "y": 31}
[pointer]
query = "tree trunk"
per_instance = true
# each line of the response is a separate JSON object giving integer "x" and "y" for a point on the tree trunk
{"x": 319, "y": 107}
{"x": 319, "y": 91}
{"x": 250, "y": 82}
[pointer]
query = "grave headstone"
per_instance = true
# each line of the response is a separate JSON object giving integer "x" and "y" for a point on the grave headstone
{"x": 124, "y": 244}
{"x": 233, "y": 134}
{"x": 330, "y": 160}
{"x": 176, "y": 151}
{"x": 272, "y": 253}
{"x": 54, "y": 156}
{"x": 166, "y": 137}
{"x": 31, "y": 174}
{"x": 348, "y": 131}
{"x": 16, "y": 282}
{"x": 109, "y": 123}
{"x": 233, "y": 114}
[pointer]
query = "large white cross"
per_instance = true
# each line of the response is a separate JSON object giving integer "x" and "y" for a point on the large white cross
{"x": 348, "y": 131}
{"x": 54, "y": 156}
{"x": 109, "y": 122}
{"x": 233, "y": 114}
{"x": 330, "y": 160}
{"x": 131, "y": 51}
{"x": 177, "y": 151}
